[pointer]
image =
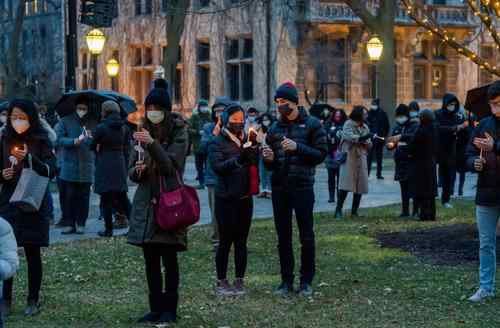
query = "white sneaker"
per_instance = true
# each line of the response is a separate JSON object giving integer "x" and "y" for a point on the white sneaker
{"x": 480, "y": 296}
{"x": 447, "y": 205}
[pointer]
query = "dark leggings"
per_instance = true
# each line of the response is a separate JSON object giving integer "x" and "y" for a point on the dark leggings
{"x": 356, "y": 201}
{"x": 34, "y": 260}
{"x": 110, "y": 200}
{"x": 332, "y": 182}
{"x": 154, "y": 255}
{"x": 234, "y": 217}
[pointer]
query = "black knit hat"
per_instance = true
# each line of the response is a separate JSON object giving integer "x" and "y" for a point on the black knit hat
{"x": 287, "y": 91}
{"x": 159, "y": 95}
{"x": 402, "y": 110}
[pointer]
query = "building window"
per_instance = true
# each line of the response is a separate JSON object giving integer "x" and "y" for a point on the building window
{"x": 85, "y": 61}
{"x": 148, "y": 56}
{"x": 138, "y": 7}
{"x": 85, "y": 81}
{"x": 137, "y": 57}
{"x": 203, "y": 82}
{"x": 429, "y": 73}
{"x": 369, "y": 80}
{"x": 204, "y": 3}
{"x": 164, "y": 6}
{"x": 239, "y": 69}
{"x": 203, "y": 51}
{"x": 148, "y": 7}
{"x": 178, "y": 86}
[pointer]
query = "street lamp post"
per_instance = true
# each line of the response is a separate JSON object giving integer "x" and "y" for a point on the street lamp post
{"x": 375, "y": 49}
{"x": 95, "y": 42}
{"x": 113, "y": 68}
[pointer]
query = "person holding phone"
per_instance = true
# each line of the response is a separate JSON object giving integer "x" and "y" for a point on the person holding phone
{"x": 483, "y": 157}
{"x": 25, "y": 142}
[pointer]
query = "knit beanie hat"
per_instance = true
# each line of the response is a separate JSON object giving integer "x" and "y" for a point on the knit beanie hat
{"x": 159, "y": 95}
{"x": 287, "y": 91}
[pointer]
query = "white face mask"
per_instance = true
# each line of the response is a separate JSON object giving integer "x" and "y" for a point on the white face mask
{"x": 20, "y": 126}
{"x": 3, "y": 119}
{"x": 251, "y": 119}
{"x": 413, "y": 114}
{"x": 373, "y": 107}
{"x": 204, "y": 109}
{"x": 81, "y": 113}
{"x": 266, "y": 123}
{"x": 155, "y": 116}
{"x": 401, "y": 119}
{"x": 451, "y": 108}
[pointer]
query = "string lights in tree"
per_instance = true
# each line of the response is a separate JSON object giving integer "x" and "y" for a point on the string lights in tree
{"x": 485, "y": 12}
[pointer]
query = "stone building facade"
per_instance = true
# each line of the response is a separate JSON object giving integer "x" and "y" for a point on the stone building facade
{"x": 246, "y": 51}
{"x": 41, "y": 48}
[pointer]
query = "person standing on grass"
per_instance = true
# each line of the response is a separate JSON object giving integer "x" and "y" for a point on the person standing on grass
{"x": 165, "y": 139}
{"x": 199, "y": 118}
{"x": 265, "y": 121}
{"x": 405, "y": 171}
{"x": 483, "y": 154}
{"x": 353, "y": 174}
{"x": 212, "y": 130}
{"x": 378, "y": 122}
{"x": 230, "y": 158}
{"x": 296, "y": 145}
{"x": 111, "y": 143}
{"x": 9, "y": 261}
{"x": 333, "y": 127}
{"x": 423, "y": 151}
{"x": 25, "y": 142}
{"x": 78, "y": 160}
{"x": 449, "y": 125}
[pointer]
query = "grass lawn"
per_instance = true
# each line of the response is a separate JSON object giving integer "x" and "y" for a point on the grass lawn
{"x": 101, "y": 283}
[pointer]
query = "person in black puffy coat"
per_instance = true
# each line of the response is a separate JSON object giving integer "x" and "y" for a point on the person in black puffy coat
{"x": 449, "y": 124}
{"x": 297, "y": 144}
{"x": 333, "y": 127}
{"x": 230, "y": 159}
{"x": 402, "y": 135}
{"x": 378, "y": 122}
{"x": 111, "y": 144}
{"x": 25, "y": 142}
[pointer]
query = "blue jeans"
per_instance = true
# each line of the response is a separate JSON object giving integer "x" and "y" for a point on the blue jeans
{"x": 487, "y": 219}
{"x": 265, "y": 176}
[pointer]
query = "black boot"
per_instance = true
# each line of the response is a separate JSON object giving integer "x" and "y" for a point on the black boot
{"x": 155, "y": 310}
{"x": 356, "y": 201}
{"x": 169, "y": 307}
{"x": 340, "y": 204}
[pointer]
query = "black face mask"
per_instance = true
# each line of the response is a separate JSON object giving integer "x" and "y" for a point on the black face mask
{"x": 285, "y": 110}
{"x": 235, "y": 128}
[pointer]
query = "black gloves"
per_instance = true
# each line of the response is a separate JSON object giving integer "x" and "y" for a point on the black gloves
{"x": 247, "y": 155}
{"x": 366, "y": 137}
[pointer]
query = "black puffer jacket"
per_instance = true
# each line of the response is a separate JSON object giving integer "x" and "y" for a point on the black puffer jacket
{"x": 297, "y": 170}
{"x": 447, "y": 123}
{"x": 405, "y": 164}
{"x": 488, "y": 183}
{"x": 233, "y": 179}
{"x": 378, "y": 122}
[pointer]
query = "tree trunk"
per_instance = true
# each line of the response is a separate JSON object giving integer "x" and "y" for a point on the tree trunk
{"x": 176, "y": 17}
{"x": 12, "y": 85}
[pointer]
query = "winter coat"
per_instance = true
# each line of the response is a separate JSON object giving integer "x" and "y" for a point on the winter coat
{"x": 423, "y": 150}
{"x": 334, "y": 137}
{"x": 447, "y": 123}
{"x": 9, "y": 261}
{"x": 233, "y": 178}
{"x": 296, "y": 170}
{"x": 196, "y": 124}
{"x": 378, "y": 122}
{"x": 210, "y": 176}
{"x": 463, "y": 137}
{"x": 353, "y": 174}
{"x": 488, "y": 182}
{"x": 77, "y": 160}
{"x": 167, "y": 160}
{"x": 51, "y": 133}
{"x": 405, "y": 165}
{"x": 29, "y": 228}
{"x": 111, "y": 143}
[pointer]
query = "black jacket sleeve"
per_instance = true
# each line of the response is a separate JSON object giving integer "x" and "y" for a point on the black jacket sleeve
{"x": 220, "y": 165}
{"x": 386, "y": 126}
{"x": 314, "y": 153}
{"x": 472, "y": 152}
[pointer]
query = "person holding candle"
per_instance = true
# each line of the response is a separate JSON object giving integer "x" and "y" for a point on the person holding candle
{"x": 483, "y": 158}
{"x": 231, "y": 154}
{"x": 25, "y": 142}
{"x": 333, "y": 126}
{"x": 78, "y": 164}
{"x": 164, "y": 137}
{"x": 296, "y": 145}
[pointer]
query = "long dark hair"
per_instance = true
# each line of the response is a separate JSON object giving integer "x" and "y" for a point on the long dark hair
{"x": 342, "y": 114}
{"x": 35, "y": 131}
{"x": 357, "y": 114}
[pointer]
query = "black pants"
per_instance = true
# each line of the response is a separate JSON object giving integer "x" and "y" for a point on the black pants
{"x": 427, "y": 209}
{"x": 406, "y": 195}
{"x": 34, "y": 260}
{"x": 77, "y": 202}
{"x": 110, "y": 201}
{"x": 461, "y": 182}
{"x": 200, "y": 163}
{"x": 377, "y": 151}
{"x": 356, "y": 201}
{"x": 234, "y": 217}
{"x": 302, "y": 202}
{"x": 61, "y": 185}
{"x": 332, "y": 182}
{"x": 154, "y": 256}
{"x": 447, "y": 172}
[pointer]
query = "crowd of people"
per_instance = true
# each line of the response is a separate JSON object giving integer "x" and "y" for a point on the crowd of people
{"x": 235, "y": 150}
